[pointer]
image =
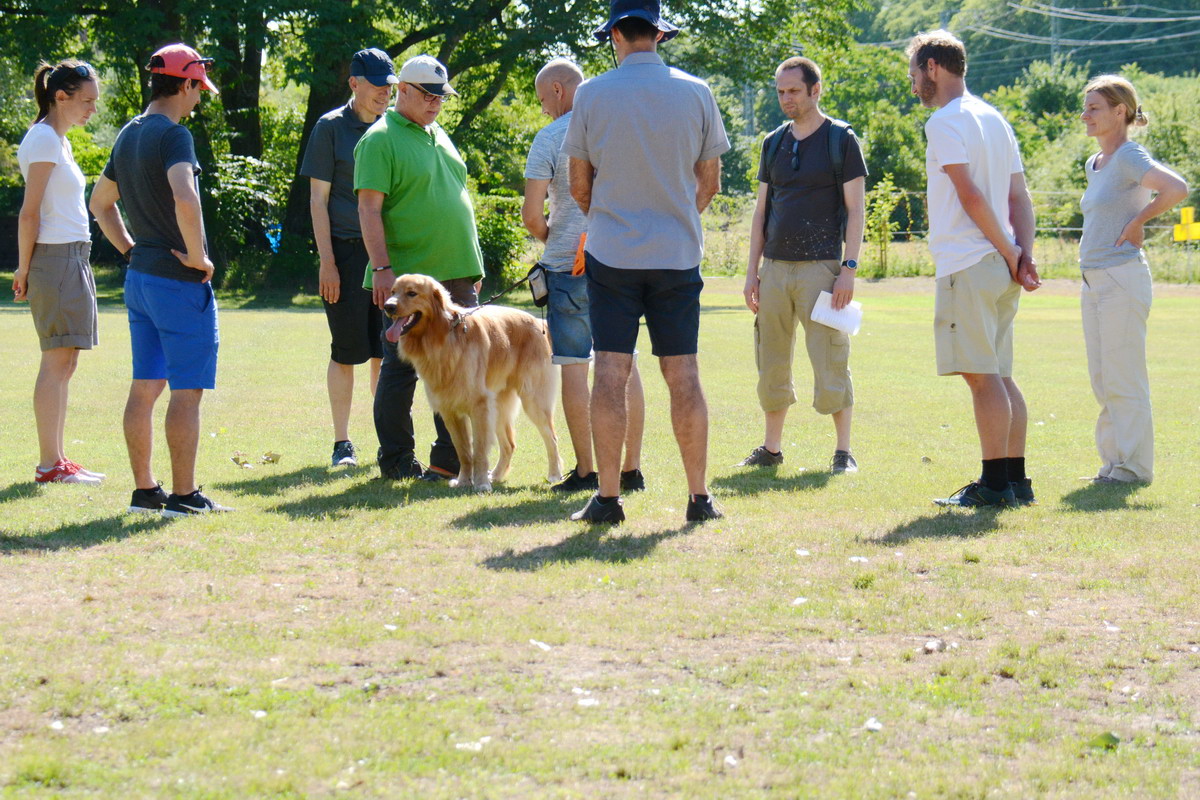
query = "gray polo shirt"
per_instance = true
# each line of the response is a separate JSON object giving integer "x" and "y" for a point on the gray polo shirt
{"x": 330, "y": 157}
{"x": 644, "y": 126}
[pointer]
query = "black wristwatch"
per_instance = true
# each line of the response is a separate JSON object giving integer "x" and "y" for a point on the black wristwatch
{"x": 381, "y": 269}
{"x": 127, "y": 256}
{"x": 850, "y": 264}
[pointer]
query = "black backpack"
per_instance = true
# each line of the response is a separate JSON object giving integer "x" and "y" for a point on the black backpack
{"x": 839, "y": 131}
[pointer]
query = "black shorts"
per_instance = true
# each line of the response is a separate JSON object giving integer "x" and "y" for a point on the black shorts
{"x": 668, "y": 298}
{"x": 354, "y": 322}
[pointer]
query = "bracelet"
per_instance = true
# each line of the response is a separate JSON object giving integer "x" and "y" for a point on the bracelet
{"x": 381, "y": 269}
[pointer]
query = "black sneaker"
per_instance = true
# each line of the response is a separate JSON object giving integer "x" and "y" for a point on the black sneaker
{"x": 633, "y": 481}
{"x": 975, "y": 495}
{"x": 189, "y": 504}
{"x": 1023, "y": 492}
{"x": 412, "y": 469}
{"x": 595, "y": 512}
{"x": 434, "y": 474}
{"x": 842, "y": 463}
{"x": 148, "y": 500}
{"x": 344, "y": 454}
{"x": 574, "y": 482}
{"x": 701, "y": 507}
{"x": 762, "y": 457}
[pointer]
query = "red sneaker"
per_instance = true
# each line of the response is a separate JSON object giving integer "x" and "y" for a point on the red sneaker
{"x": 63, "y": 472}
{"x": 79, "y": 468}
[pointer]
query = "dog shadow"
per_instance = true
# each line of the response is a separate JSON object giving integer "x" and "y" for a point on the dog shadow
{"x": 593, "y": 543}
{"x": 767, "y": 479}
{"x": 266, "y": 482}
{"x": 1103, "y": 497}
{"x": 944, "y": 525}
{"x": 83, "y": 534}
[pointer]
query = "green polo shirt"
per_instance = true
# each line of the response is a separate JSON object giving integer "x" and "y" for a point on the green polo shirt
{"x": 427, "y": 215}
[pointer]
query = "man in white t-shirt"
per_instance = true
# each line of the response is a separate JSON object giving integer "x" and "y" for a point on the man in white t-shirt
{"x": 981, "y": 230}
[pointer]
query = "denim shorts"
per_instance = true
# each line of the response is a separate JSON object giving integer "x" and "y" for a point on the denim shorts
{"x": 669, "y": 299}
{"x": 172, "y": 330}
{"x": 567, "y": 316}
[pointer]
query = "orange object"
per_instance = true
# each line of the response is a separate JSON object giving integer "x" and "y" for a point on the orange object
{"x": 578, "y": 267}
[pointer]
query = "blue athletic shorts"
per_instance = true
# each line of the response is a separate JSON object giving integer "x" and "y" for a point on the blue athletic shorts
{"x": 172, "y": 330}
{"x": 668, "y": 298}
{"x": 567, "y": 316}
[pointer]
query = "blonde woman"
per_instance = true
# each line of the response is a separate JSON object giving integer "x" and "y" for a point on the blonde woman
{"x": 1126, "y": 188}
{"x": 54, "y": 244}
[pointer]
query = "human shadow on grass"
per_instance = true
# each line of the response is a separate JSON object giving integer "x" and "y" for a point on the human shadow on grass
{"x": 18, "y": 491}
{"x": 83, "y": 534}
{"x": 593, "y": 543}
{"x": 545, "y": 507}
{"x": 1104, "y": 497}
{"x": 266, "y": 481}
{"x": 374, "y": 495}
{"x": 767, "y": 479}
{"x": 944, "y": 525}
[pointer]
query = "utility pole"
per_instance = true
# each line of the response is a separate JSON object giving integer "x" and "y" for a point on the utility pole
{"x": 1055, "y": 34}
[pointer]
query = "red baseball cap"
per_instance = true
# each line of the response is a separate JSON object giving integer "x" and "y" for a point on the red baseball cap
{"x": 182, "y": 61}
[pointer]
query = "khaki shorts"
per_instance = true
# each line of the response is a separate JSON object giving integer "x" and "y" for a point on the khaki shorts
{"x": 62, "y": 295}
{"x": 787, "y": 292}
{"x": 973, "y": 319}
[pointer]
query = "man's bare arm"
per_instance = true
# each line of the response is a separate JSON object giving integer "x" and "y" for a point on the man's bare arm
{"x": 708, "y": 182}
{"x": 1021, "y": 217}
{"x": 980, "y": 212}
{"x": 533, "y": 210}
{"x": 104, "y": 208}
{"x": 370, "y": 219}
{"x": 583, "y": 175}
{"x": 188, "y": 216}
{"x": 758, "y": 240}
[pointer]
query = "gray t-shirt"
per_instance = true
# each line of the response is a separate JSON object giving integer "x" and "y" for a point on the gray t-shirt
{"x": 329, "y": 157}
{"x": 145, "y": 149}
{"x": 644, "y": 126}
{"x": 547, "y": 162}
{"x": 803, "y": 224}
{"x": 1114, "y": 195}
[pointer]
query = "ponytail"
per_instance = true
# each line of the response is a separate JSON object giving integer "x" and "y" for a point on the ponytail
{"x": 1140, "y": 118}
{"x": 68, "y": 75}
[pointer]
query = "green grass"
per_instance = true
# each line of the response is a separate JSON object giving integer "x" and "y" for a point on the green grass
{"x": 344, "y": 636}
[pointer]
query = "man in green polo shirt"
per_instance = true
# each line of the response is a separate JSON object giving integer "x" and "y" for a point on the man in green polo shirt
{"x": 416, "y": 217}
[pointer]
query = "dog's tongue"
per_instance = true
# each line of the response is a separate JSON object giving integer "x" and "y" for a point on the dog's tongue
{"x": 393, "y": 333}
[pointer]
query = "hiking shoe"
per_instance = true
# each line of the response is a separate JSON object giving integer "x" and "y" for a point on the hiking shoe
{"x": 700, "y": 507}
{"x": 633, "y": 481}
{"x": 434, "y": 474}
{"x": 90, "y": 473}
{"x": 189, "y": 504}
{"x": 842, "y": 462}
{"x": 762, "y": 457}
{"x": 975, "y": 494}
{"x": 64, "y": 472}
{"x": 344, "y": 454}
{"x": 595, "y": 512}
{"x": 574, "y": 482}
{"x": 411, "y": 469}
{"x": 148, "y": 500}
{"x": 1023, "y": 492}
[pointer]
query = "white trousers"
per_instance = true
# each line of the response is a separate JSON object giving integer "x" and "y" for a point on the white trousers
{"x": 1116, "y": 303}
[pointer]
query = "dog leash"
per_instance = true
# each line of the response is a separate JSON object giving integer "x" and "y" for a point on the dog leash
{"x": 462, "y": 318}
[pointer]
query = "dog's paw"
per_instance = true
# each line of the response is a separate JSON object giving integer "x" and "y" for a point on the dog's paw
{"x": 554, "y": 477}
{"x": 460, "y": 483}
{"x": 483, "y": 487}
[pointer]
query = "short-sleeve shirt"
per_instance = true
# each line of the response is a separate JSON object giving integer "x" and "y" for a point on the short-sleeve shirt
{"x": 146, "y": 148}
{"x": 548, "y": 162}
{"x": 329, "y": 157}
{"x": 63, "y": 216}
{"x": 644, "y": 126}
{"x": 967, "y": 131}
{"x": 428, "y": 219}
{"x": 803, "y": 223}
{"x": 1113, "y": 197}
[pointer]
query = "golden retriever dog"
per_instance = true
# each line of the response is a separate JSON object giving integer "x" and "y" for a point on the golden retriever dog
{"x": 476, "y": 364}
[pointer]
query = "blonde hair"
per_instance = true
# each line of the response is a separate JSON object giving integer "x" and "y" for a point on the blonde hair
{"x": 1117, "y": 91}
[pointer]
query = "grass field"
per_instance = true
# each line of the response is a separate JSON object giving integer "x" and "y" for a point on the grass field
{"x": 343, "y": 636}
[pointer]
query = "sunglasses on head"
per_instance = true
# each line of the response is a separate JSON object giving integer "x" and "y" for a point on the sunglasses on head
{"x": 203, "y": 62}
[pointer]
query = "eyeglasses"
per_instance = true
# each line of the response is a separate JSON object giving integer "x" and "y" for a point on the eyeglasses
{"x": 430, "y": 97}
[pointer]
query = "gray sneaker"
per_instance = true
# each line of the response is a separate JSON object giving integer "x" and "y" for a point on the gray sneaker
{"x": 842, "y": 463}
{"x": 344, "y": 454}
{"x": 762, "y": 457}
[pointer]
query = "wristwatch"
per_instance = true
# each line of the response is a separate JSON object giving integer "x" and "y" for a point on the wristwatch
{"x": 850, "y": 264}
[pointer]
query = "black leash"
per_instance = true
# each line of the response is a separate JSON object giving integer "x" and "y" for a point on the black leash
{"x": 461, "y": 318}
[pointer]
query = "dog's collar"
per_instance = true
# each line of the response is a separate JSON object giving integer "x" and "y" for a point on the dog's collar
{"x": 459, "y": 319}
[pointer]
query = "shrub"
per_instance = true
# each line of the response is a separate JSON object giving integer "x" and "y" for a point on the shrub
{"x": 502, "y": 238}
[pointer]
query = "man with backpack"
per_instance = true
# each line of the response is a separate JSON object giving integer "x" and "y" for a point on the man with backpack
{"x": 811, "y": 199}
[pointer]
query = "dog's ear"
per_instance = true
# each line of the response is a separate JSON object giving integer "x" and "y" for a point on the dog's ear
{"x": 440, "y": 300}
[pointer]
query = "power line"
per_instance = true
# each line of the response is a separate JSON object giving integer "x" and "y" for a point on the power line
{"x": 1087, "y": 16}
{"x": 1032, "y": 38}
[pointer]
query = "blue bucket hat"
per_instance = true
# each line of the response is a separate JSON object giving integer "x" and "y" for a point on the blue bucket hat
{"x": 648, "y": 10}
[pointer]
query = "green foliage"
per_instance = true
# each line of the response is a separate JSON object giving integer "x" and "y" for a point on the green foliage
{"x": 243, "y": 188}
{"x": 880, "y": 225}
{"x": 502, "y": 238}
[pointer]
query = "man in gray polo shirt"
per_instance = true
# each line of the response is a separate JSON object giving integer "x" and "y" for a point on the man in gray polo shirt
{"x": 355, "y": 325}
{"x": 645, "y": 142}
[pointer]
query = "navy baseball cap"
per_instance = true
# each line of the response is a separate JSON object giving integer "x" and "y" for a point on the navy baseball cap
{"x": 648, "y": 10}
{"x": 374, "y": 65}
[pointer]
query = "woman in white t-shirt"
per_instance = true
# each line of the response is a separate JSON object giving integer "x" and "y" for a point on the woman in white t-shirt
{"x": 1122, "y": 181}
{"x": 54, "y": 241}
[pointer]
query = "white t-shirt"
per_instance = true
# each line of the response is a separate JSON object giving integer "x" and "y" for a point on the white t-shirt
{"x": 967, "y": 131}
{"x": 64, "y": 216}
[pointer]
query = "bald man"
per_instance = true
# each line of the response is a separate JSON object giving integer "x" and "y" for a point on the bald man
{"x": 547, "y": 174}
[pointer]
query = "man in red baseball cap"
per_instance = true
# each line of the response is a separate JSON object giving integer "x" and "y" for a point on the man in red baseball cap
{"x": 181, "y": 61}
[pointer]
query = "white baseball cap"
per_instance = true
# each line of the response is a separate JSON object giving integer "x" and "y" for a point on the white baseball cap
{"x": 428, "y": 73}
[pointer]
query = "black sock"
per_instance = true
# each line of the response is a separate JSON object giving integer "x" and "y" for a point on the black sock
{"x": 995, "y": 474}
{"x": 1016, "y": 469}
{"x": 602, "y": 500}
